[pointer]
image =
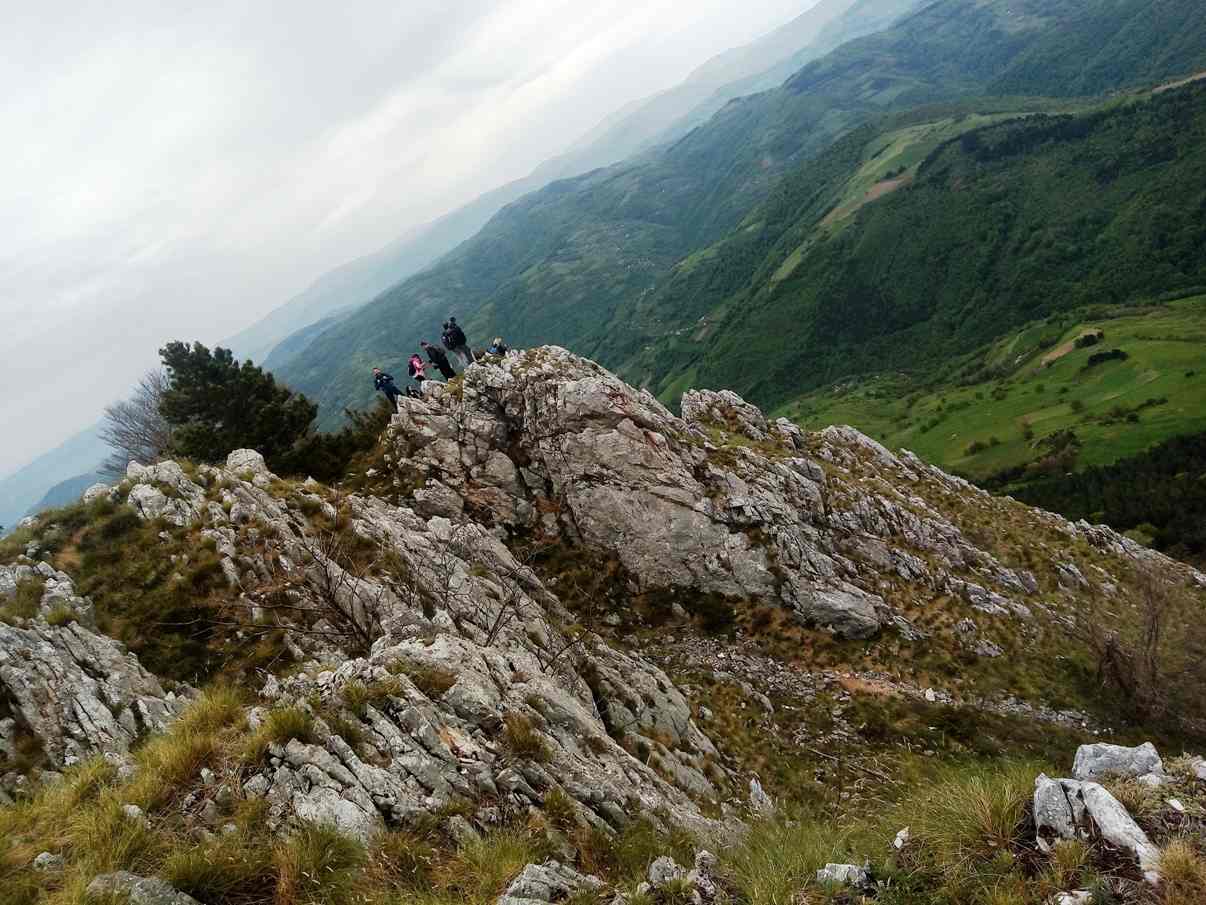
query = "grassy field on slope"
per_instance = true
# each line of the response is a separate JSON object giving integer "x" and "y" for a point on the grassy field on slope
{"x": 1116, "y": 408}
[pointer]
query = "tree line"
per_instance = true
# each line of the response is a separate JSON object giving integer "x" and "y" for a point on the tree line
{"x": 204, "y": 403}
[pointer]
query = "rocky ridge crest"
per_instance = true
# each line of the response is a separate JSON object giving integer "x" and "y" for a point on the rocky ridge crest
{"x": 462, "y": 674}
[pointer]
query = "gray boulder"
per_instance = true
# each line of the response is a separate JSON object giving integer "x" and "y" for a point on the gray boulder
{"x": 136, "y": 890}
{"x": 1098, "y": 761}
{"x": 843, "y": 875}
{"x": 246, "y": 460}
{"x": 95, "y": 492}
{"x": 541, "y": 884}
{"x": 1072, "y": 809}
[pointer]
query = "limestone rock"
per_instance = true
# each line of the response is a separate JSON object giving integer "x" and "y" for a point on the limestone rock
{"x": 664, "y": 870}
{"x": 79, "y": 693}
{"x": 843, "y": 875}
{"x": 1075, "y": 897}
{"x": 136, "y": 890}
{"x": 1072, "y": 809}
{"x": 719, "y": 502}
{"x": 246, "y": 460}
{"x": 1098, "y": 761}
{"x": 542, "y": 884}
{"x": 95, "y": 492}
{"x": 725, "y": 409}
{"x": 760, "y": 802}
{"x": 48, "y": 862}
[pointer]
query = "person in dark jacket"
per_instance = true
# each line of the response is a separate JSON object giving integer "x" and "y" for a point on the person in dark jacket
{"x": 437, "y": 357}
{"x": 456, "y": 341}
{"x": 385, "y": 384}
{"x": 498, "y": 347}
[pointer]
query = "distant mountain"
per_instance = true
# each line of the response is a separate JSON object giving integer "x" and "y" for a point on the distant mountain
{"x": 64, "y": 492}
{"x": 568, "y": 264}
{"x": 23, "y": 489}
{"x": 635, "y": 128}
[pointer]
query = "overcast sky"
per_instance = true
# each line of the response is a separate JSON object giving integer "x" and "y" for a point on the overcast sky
{"x": 174, "y": 170}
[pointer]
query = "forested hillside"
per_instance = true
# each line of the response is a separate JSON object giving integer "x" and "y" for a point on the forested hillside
{"x": 1160, "y": 496}
{"x": 1004, "y": 225}
{"x": 559, "y": 265}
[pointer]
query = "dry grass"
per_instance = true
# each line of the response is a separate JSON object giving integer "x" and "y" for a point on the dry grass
{"x": 1184, "y": 872}
{"x": 522, "y": 739}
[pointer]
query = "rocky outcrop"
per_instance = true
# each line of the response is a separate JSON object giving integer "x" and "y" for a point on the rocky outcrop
{"x": 78, "y": 692}
{"x": 58, "y": 590}
{"x": 164, "y": 491}
{"x": 831, "y": 526}
{"x": 1071, "y": 809}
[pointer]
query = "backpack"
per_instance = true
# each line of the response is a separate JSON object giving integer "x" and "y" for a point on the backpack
{"x": 457, "y": 335}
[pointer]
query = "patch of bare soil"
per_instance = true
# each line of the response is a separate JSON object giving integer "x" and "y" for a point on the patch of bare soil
{"x": 1196, "y": 77}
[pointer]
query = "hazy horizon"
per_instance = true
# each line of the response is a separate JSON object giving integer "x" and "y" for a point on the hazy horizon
{"x": 183, "y": 171}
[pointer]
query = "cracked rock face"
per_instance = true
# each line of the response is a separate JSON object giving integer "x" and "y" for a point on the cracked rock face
{"x": 722, "y": 501}
{"x": 469, "y": 685}
{"x": 58, "y": 594}
{"x": 1071, "y": 809}
{"x": 78, "y": 692}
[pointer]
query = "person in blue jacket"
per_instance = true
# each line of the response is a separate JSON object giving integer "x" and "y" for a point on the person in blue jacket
{"x": 385, "y": 383}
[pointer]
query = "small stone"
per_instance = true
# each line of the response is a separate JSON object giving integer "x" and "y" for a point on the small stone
{"x": 209, "y": 812}
{"x": 843, "y": 875}
{"x": 133, "y": 812}
{"x": 663, "y": 870}
{"x": 1075, "y": 897}
{"x": 462, "y": 831}
{"x": 47, "y": 862}
{"x": 901, "y": 840}
{"x": 760, "y": 802}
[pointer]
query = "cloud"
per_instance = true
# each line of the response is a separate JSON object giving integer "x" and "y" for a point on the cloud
{"x": 177, "y": 170}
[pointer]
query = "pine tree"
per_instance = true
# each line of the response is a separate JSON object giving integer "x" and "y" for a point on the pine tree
{"x": 216, "y": 405}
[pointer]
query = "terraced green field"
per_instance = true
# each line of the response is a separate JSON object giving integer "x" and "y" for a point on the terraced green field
{"x": 1116, "y": 408}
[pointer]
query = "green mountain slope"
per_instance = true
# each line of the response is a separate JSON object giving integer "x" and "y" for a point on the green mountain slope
{"x": 561, "y": 265}
{"x": 663, "y": 117}
{"x": 1009, "y": 223}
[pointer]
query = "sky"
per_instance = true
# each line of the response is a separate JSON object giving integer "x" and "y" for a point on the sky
{"x": 176, "y": 170}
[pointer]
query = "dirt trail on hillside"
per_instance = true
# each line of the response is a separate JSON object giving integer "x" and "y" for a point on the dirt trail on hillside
{"x": 877, "y": 191}
{"x": 1196, "y": 77}
{"x": 1064, "y": 348}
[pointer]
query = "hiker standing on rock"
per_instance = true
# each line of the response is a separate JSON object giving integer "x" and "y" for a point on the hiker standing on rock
{"x": 417, "y": 369}
{"x": 454, "y": 339}
{"x": 437, "y": 357}
{"x": 385, "y": 383}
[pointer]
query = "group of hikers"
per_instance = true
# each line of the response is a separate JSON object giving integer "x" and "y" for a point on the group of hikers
{"x": 456, "y": 344}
